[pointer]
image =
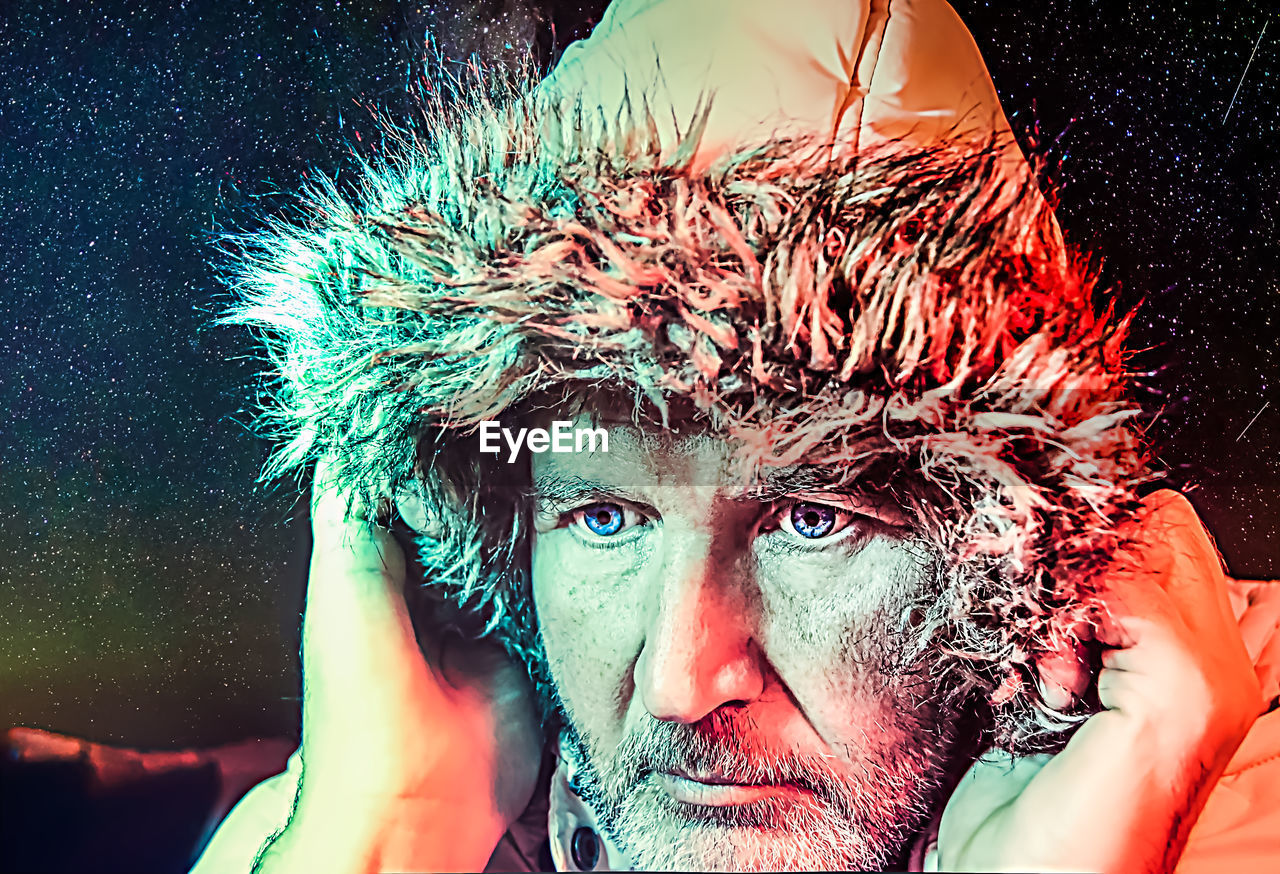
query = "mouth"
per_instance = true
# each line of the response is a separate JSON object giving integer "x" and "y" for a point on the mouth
{"x": 717, "y": 790}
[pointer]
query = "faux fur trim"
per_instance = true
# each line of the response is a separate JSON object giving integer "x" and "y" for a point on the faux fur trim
{"x": 909, "y": 317}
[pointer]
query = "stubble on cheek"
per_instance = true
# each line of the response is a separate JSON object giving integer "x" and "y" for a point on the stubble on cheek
{"x": 586, "y": 614}
{"x": 847, "y": 651}
{"x": 844, "y": 645}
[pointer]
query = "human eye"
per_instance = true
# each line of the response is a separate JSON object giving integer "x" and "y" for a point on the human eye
{"x": 812, "y": 520}
{"x": 817, "y": 521}
{"x": 604, "y": 521}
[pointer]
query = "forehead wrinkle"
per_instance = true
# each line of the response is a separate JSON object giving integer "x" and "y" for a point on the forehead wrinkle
{"x": 594, "y": 463}
{"x": 640, "y": 458}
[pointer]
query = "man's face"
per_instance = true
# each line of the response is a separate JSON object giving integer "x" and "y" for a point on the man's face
{"x": 731, "y": 657}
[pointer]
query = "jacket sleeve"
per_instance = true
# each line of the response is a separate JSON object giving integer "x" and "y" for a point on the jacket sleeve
{"x": 263, "y": 811}
{"x": 1239, "y": 828}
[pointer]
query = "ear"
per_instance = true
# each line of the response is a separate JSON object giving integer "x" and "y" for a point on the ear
{"x": 411, "y": 505}
{"x": 1064, "y": 672}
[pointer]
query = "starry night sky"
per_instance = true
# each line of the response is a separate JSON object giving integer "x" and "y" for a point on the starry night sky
{"x": 149, "y": 590}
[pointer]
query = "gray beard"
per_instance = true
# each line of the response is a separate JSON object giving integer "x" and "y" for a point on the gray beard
{"x": 857, "y": 818}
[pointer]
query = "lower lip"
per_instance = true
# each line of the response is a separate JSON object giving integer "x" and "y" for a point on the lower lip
{"x": 721, "y": 794}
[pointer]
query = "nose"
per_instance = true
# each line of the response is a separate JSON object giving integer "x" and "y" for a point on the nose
{"x": 699, "y": 651}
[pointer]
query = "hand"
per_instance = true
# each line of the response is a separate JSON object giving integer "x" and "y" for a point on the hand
{"x": 1180, "y": 694}
{"x": 406, "y": 764}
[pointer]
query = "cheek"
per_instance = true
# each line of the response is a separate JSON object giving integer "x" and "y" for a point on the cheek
{"x": 835, "y": 634}
{"x": 589, "y": 628}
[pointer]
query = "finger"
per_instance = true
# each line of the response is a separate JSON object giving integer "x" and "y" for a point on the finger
{"x": 1117, "y": 689}
{"x": 1132, "y": 593}
{"x": 1113, "y": 624}
{"x": 1196, "y": 581}
{"x": 1117, "y": 660}
{"x": 356, "y": 626}
{"x": 1132, "y": 659}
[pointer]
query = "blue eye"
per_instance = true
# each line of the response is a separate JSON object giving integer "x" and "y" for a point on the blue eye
{"x": 813, "y": 520}
{"x": 603, "y": 520}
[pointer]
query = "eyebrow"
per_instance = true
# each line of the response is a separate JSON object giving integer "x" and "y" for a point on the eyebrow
{"x": 782, "y": 482}
{"x": 561, "y": 489}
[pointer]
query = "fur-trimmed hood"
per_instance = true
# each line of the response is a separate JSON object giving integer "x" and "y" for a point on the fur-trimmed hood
{"x": 902, "y": 312}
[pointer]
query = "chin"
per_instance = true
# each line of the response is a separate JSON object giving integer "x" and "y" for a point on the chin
{"x": 659, "y": 833}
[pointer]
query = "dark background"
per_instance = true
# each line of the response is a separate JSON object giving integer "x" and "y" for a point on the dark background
{"x": 149, "y": 591}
